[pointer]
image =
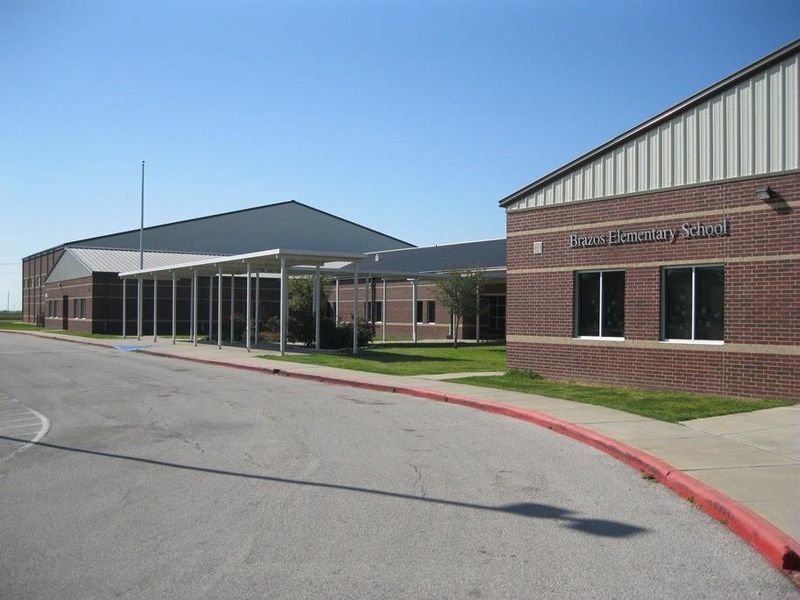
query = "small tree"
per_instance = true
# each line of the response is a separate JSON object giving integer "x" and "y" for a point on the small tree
{"x": 458, "y": 291}
{"x": 300, "y": 327}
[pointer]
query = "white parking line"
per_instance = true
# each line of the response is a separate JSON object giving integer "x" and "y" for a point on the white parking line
{"x": 26, "y": 428}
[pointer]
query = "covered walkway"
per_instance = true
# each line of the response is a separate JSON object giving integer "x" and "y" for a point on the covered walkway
{"x": 253, "y": 266}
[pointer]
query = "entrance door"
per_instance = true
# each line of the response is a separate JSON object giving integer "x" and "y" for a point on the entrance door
{"x": 65, "y": 312}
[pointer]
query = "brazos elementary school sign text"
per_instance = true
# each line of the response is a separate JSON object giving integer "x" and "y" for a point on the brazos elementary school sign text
{"x": 618, "y": 237}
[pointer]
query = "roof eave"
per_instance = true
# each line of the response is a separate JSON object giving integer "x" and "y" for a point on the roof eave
{"x": 698, "y": 98}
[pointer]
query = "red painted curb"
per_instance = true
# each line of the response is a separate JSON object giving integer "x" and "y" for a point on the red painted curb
{"x": 781, "y": 550}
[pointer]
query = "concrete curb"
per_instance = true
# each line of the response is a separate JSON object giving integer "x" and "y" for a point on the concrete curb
{"x": 781, "y": 550}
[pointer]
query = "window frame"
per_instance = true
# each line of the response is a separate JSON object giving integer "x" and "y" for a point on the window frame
{"x": 693, "y": 339}
{"x": 576, "y": 306}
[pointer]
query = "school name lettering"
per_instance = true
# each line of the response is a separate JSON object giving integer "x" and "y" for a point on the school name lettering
{"x": 618, "y": 237}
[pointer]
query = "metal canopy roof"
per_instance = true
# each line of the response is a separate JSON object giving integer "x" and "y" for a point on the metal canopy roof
{"x": 266, "y": 261}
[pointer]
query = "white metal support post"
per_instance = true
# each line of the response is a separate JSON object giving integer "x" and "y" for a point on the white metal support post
{"x": 124, "y": 307}
{"x": 368, "y": 300}
{"x": 210, "y": 307}
{"x": 174, "y": 305}
{"x": 414, "y": 315}
{"x": 316, "y": 308}
{"x": 284, "y": 308}
{"x": 155, "y": 308}
{"x": 355, "y": 308}
{"x": 194, "y": 309}
{"x": 477, "y": 315}
{"x": 247, "y": 309}
{"x": 219, "y": 308}
{"x": 258, "y": 310}
{"x": 139, "y": 292}
{"x": 191, "y": 309}
{"x": 233, "y": 283}
{"x": 383, "y": 311}
{"x": 336, "y": 316}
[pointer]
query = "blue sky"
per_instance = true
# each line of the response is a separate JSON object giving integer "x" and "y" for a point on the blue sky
{"x": 413, "y": 118}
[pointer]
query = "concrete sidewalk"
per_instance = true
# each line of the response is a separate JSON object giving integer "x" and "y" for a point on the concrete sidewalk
{"x": 753, "y": 458}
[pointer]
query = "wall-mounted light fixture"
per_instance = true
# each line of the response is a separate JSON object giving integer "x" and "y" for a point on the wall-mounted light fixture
{"x": 764, "y": 193}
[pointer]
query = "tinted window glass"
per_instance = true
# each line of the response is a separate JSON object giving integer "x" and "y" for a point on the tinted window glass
{"x": 614, "y": 304}
{"x": 709, "y": 303}
{"x": 588, "y": 298}
{"x": 678, "y": 304}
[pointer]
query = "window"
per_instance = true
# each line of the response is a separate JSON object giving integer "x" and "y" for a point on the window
{"x": 600, "y": 304}
{"x": 75, "y": 308}
{"x": 420, "y": 306}
{"x": 431, "y": 311}
{"x": 377, "y": 311}
{"x": 694, "y": 303}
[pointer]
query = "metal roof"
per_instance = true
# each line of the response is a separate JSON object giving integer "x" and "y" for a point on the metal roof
{"x": 485, "y": 254}
{"x": 654, "y": 123}
{"x": 265, "y": 261}
{"x": 288, "y": 224}
{"x": 82, "y": 262}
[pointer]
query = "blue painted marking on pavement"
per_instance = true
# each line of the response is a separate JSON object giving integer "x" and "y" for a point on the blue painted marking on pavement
{"x": 131, "y": 347}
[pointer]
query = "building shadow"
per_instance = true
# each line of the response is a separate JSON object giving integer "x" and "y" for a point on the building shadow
{"x": 532, "y": 510}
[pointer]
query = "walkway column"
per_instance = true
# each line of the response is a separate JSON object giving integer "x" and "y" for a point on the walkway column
{"x": 155, "y": 308}
{"x": 139, "y": 292}
{"x": 383, "y": 311}
{"x": 258, "y": 309}
{"x": 247, "y": 309}
{"x": 210, "y": 307}
{"x": 414, "y": 315}
{"x": 219, "y": 308}
{"x": 191, "y": 309}
{"x": 124, "y": 307}
{"x": 355, "y": 308}
{"x": 174, "y": 304}
{"x": 316, "y": 308}
{"x": 477, "y": 315}
{"x": 336, "y": 316}
{"x": 284, "y": 309}
{"x": 233, "y": 282}
{"x": 194, "y": 309}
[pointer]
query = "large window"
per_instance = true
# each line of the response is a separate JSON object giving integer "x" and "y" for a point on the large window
{"x": 694, "y": 303}
{"x": 377, "y": 311}
{"x": 600, "y": 304}
{"x": 420, "y": 307}
{"x": 431, "y": 311}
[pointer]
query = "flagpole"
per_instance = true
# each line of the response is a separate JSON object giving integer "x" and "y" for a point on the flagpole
{"x": 141, "y": 226}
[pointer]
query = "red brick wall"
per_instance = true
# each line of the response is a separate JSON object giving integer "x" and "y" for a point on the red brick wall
{"x": 398, "y": 310}
{"x": 34, "y": 272}
{"x": 73, "y": 289}
{"x": 762, "y": 290}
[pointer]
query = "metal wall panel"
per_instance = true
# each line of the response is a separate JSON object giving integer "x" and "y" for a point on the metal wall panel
{"x": 750, "y": 129}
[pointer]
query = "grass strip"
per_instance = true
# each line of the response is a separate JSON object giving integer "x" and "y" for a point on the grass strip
{"x": 410, "y": 359}
{"x": 656, "y": 404}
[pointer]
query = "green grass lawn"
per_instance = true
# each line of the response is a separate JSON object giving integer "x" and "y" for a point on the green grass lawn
{"x": 408, "y": 359}
{"x": 665, "y": 406}
{"x": 19, "y": 326}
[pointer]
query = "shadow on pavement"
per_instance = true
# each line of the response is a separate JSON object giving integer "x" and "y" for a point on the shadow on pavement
{"x": 597, "y": 527}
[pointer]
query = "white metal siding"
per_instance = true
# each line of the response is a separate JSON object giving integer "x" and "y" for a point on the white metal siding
{"x": 750, "y": 129}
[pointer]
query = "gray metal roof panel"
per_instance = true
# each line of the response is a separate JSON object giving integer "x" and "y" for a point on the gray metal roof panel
{"x": 486, "y": 254}
{"x": 282, "y": 225}
{"x": 82, "y": 262}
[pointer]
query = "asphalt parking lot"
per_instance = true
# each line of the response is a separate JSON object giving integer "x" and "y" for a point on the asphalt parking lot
{"x": 162, "y": 478}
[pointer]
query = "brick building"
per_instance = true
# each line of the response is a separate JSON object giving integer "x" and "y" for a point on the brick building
{"x": 77, "y": 286}
{"x": 669, "y": 257}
